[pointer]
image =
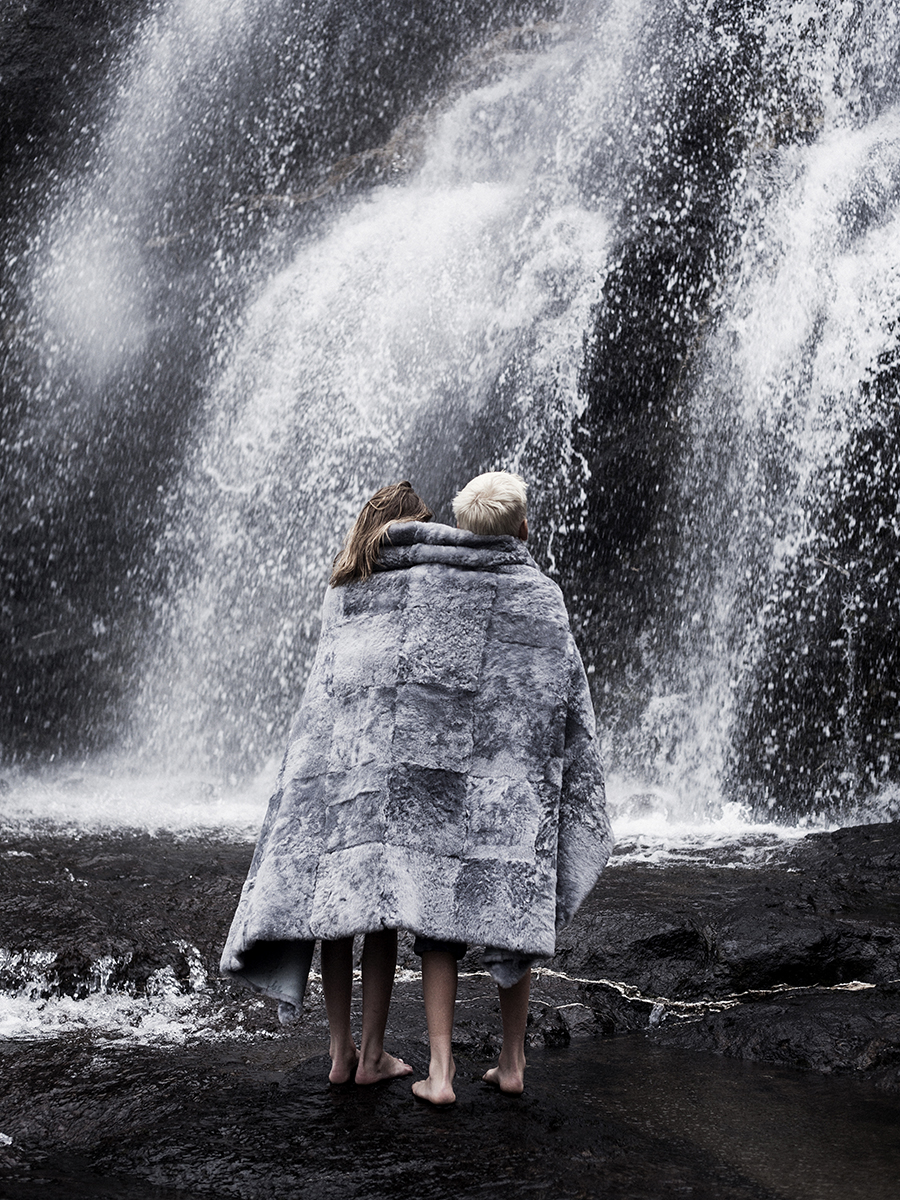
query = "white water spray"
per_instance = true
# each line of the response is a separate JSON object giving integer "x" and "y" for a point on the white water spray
{"x": 440, "y": 320}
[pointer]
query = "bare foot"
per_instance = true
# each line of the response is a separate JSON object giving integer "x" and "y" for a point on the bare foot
{"x": 510, "y": 1081}
{"x": 343, "y": 1067}
{"x": 386, "y": 1067}
{"x": 434, "y": 1092}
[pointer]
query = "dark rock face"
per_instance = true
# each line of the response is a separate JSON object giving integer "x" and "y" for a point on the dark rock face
{"x": 680, "y": 147}
{"x": 142, "y": 903}
{"x": 73, "y": 533}
{"x": 54, "y": 58}
{"x": 832, "y": 635}
{"x": 825, "y": 914}
{"x": 664, "y": 956}
{"x": 843, "y": 1031}
{"x": 715, "y": 957}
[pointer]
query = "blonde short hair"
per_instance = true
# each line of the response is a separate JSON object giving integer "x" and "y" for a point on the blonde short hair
{"x": 493, "y": 503}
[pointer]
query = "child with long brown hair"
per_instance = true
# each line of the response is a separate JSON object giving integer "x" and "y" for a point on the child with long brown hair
{"x": 389, "y": 506}
{"x": 369, "y": 1063}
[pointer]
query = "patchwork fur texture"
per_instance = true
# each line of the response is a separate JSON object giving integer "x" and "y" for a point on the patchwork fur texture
{"x": 442, "y": 774}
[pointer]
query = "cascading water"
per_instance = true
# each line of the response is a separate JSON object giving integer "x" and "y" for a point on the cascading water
{"x": 644, "y": 254}
{"x": 430, "y": 328}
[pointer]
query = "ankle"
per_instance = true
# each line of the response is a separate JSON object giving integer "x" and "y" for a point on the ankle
{"x": 512, "y": 1059}
{"x": 341, "y": 1048}
{"x": 370, "y": 1057}
{"x": 442, "y": 1069}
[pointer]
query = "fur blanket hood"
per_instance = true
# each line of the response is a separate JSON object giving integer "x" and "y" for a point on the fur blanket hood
{"x": 442, "y": 773}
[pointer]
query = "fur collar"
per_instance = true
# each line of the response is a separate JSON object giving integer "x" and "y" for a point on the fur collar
{"x": 418, "y": 543}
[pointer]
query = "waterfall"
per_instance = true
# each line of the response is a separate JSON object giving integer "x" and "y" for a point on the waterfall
{"x": 643, "y": 253}
{"x": 431, "y": 328}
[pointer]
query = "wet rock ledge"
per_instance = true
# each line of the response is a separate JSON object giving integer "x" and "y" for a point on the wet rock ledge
{"x": 796, "y": 962}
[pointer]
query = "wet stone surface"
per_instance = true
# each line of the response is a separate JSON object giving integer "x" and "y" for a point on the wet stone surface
{"x": 129, "y": 1069}
{"x": 242, "y": 1120}
{"x": 616, "y": 1119}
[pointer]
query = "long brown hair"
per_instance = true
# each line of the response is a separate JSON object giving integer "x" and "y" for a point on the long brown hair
{"x": 392, "y": 504}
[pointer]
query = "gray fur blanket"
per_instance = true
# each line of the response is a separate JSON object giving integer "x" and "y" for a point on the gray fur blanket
{"x": 442, "y": 773}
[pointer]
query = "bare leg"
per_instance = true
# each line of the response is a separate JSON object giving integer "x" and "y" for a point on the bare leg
{"x": 378, "y": 964}
{"x": 509, "y": 1074}
{"x": 337, "y": 986}
{"x": 439, "y": 980}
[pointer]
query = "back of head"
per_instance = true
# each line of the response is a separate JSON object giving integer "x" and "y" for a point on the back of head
{"x": 493, "y": 503}
{"x": 390, "y": 505}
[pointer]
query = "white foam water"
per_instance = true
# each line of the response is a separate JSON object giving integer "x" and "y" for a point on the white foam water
{"x": 650, "y": 825}
{"x": 109, "y": 795}
{"x": 167, "y": 1017}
